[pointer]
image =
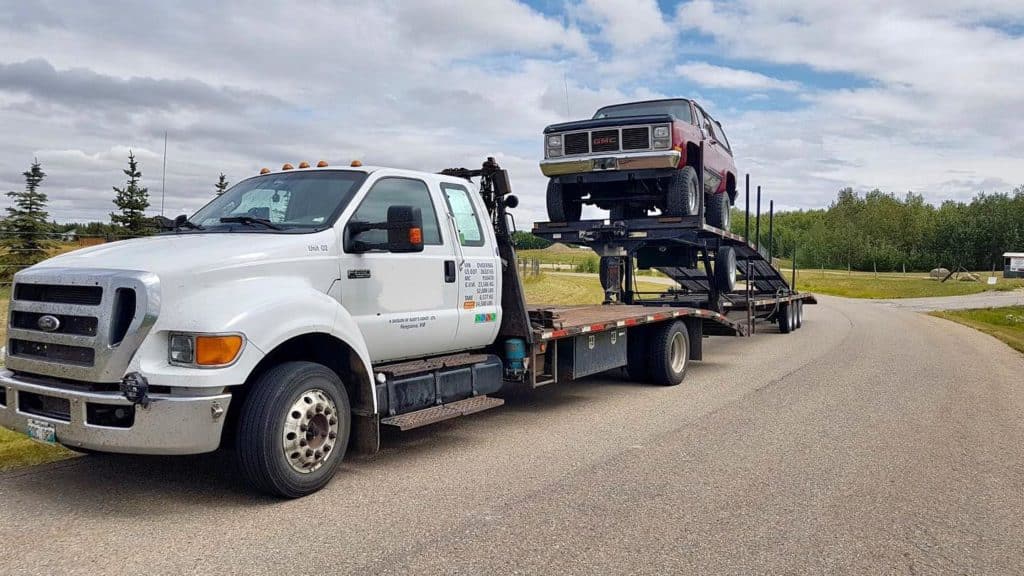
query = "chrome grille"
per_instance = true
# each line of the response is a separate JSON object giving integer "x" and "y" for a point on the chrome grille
{"x": 81, "y": 325}
{"x": 102, "y": 317}
{"x": 83, "y": 295}
{"x": 636, "y": 138}
{"x": 49, "y": 352}
{"x": 604, "y": 140}
{"x": 578, "y": 143}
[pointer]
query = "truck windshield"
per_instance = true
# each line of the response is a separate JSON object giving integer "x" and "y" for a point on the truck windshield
{"x": 678, "y": 109}
{"x": 295, "y": 201}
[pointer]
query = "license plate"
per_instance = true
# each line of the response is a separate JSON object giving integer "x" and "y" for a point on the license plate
{"x": 605, "y": 163}
{"x": 42, "y": 432}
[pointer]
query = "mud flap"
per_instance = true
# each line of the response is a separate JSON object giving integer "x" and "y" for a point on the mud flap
{"x": 695, "y": 330}
{"x": 365, "y": 435}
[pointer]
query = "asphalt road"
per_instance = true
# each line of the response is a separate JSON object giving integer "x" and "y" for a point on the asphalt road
{"x": 872, "y": 441}
{"x": 980, "y": 300}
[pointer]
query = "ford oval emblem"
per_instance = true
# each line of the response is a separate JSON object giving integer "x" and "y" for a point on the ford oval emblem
{"x": 48, "y": 323}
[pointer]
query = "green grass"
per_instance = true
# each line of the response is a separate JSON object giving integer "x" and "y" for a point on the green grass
{"x": 567, "y": 290}
{"x": 1006, "y": 324}
{"x": 16, "y": 450}
{"x": 866, "y": 285}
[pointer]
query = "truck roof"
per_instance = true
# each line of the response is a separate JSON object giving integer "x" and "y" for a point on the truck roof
{"x": 367, "y": 170}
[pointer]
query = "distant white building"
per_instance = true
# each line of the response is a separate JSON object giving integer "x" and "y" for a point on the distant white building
{"x": 1013, "y": 265}
{"x": 70, "y": 235}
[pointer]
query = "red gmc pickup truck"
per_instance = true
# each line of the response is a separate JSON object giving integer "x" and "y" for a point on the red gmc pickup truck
{"x": 636, "y": 157}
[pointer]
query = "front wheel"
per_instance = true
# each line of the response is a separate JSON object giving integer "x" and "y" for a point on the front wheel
{"x": 562, "y": 205}
{"x": 293, "y": 430}
{"x": 681, "y": 193}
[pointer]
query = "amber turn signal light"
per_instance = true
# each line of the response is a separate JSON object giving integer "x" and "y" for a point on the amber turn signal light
{"x": 217, "y": 350}
{"x": 415, "y": 236}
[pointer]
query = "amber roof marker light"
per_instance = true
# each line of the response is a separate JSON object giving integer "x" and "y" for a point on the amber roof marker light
{"x": 287, "y": 166}
{"x": 356, "y": 164}
{"x": 321, "y": 164}
{"x": 265, "y": 171}
{"x": 303, "y": 164}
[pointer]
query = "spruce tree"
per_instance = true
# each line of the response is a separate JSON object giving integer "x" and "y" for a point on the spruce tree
{"x": 132, "y": 201}
{"x": 221, "y": 184}
{"x": 24, "y": 240}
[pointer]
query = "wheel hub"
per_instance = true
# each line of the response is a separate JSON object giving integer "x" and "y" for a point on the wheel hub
{"x": 310, "y": 431}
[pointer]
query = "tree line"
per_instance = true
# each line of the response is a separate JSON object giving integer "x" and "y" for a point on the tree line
{"x": 27, "y": 236}
{"x": 881, "y": 231}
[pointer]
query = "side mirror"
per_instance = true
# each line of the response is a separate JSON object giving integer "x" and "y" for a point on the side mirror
{"x": 404, "y": 227}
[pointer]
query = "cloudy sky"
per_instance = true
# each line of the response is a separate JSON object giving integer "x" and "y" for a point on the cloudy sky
{"x": 921, "y": 95}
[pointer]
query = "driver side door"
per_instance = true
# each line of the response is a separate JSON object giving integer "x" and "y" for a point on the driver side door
{"x": 406, "y": 304}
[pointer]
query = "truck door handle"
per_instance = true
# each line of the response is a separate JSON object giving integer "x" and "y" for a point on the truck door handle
{"x": 449, "y": 271}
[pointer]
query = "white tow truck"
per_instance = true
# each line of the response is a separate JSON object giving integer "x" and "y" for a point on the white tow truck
{"x": 297, "y": 313}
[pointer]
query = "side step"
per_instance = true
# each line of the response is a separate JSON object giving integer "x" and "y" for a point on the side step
{"x": 437, "y": 414}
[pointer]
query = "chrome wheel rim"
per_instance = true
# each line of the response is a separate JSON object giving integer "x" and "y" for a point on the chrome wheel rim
{"x": 678, "y": 355}
{"x": 310, "y": 431}
{"x": 691, "y": 200}
{"x": 726, "y": 217}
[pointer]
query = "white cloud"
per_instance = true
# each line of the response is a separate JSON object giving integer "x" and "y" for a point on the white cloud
{"x": 712, "y": 76}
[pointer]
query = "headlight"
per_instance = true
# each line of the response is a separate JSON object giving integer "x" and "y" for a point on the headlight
{"x": 661, "y": 131}
{"x": 555, "y": 141}
{"x": 204, "y": 350}
{"x": 181, "y": 349}
{"x": 553, "y": 146}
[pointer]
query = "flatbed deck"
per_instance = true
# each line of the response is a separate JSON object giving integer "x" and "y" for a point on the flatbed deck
{"x": 559, "y": 322}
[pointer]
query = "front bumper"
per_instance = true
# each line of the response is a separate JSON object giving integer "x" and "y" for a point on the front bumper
{"x": 170, "y": 424}
{"x": 623, "y": 161}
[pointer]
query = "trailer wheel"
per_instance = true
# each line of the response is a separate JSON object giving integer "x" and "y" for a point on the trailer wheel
{"x": 636, "y": 355}
{"x": 681, "y": 193}
{"x": 293, "y": 430}
{"x": 725, "y": 269}
{"x": 799, "y": 313}
{"x": 716, "y": 210}
{"x": 784, "y": 317}
{"x": 562, "y": 206}
{"x": 669, "y": 347}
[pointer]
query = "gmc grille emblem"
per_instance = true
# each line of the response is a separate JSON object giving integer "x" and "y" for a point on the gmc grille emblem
{"x": 48, "y": 323}
{"x": 604, "y": 140}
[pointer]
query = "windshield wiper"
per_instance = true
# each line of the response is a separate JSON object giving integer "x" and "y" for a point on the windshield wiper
{"x": 250, "y": 220}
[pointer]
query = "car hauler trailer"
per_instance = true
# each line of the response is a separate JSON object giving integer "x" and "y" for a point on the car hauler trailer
{"x": 302, "y": 310}
{"x": 708, "y": 263}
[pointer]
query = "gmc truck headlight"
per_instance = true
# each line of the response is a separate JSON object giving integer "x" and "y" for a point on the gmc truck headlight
{"x": 204, "y": 350}
{"x": 662, "y": 138}
{"x": 553, "y": 145}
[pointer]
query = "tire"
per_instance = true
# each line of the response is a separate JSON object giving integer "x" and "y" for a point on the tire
{"x": 725, "y": 269}
{"x": 603, "y": 272}
{"x": 716, "y": 210}
{"x": 268, "y": 427}
{"x": 669, "y": 353}
{"x": 636, "y": 355}
{"x": 785, "y": 318}
{"x": 799, "y": 314}
{"x": 681, "y": 193}
{"x": 562, "y": 207}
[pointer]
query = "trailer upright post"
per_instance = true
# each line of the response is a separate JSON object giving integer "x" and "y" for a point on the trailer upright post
{"x": 757, "y": 225}
{"x": 771, "y": 228}
{"x": 746, "y": 208}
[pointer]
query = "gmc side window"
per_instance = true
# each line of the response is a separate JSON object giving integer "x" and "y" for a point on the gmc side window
{"x": 397, "y": 191}
{"x": 721, "y": 135}
{"x": 466, "y": 222}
